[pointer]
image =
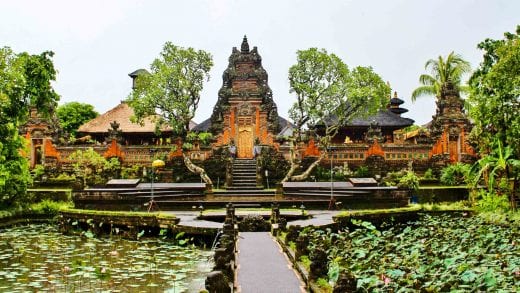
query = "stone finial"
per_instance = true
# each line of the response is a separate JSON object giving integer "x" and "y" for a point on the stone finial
{"x": 395, "y": 95}
{"x": 244, "y": 48}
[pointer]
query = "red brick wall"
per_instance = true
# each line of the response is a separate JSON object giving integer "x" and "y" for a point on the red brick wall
{"x": 248, "y": 85}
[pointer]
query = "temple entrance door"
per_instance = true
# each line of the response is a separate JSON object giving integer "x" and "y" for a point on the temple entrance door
{"x": 245, "y": 138}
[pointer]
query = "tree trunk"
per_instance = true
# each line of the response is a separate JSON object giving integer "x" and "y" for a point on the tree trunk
{"x": 307, "y": 172}
{"x": 291, "y": 171}
{"x": 196, "y": 169}
{"x": 292, "y": 159}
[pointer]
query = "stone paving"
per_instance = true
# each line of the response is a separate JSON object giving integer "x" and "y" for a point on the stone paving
{"x": 263, "y": 267}
{"x": 319, "y": 218}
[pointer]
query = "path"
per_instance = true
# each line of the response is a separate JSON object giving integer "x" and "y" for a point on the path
{"x": 319, "y": 218}
{"x": 263, "y": 267}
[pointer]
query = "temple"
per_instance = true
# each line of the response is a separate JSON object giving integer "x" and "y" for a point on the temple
{"x": 246, "y": 115}
{"x": 245, "y": 110}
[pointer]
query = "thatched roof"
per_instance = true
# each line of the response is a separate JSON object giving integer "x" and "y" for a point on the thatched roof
{"x": 122, "y": 114}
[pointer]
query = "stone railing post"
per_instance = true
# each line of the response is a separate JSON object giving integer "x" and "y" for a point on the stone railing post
{"x": 222, "y": 277}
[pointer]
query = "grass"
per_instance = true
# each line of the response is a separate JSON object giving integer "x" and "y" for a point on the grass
{"x": 45, "y": 207}
{"x": 119, "y": 213}
{"x": 444, "y": 187}
{"x": 450, "y": 206}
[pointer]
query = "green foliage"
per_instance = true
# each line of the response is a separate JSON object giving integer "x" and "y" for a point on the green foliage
{"x": 495, "y": 88}
{"x": 362, "y": 171}
{"x": 49, "y": 207}
{"x": 491, "y": 202}
{"x": 62, "y": 178}
{"x": 14, "y": 168}
{"x": 403, "y": 179}
{"x": 173, "y": 86}
{"x": 38, "y": 171}
{"x": 409, "y": 180}
{"x": 497, "y": 168}
{"x": 90, "y": 166}
{"x": 456, "y": 174}
{"x": 170, "y": 93}
{"x": 443, "y": 71}
{"x": 25, "y": 80}
{"x": 442, "y": 253}
{"x": 131, "y": 172}
{"x": 326, "y": 88}
{"x": 428, "y": 175}
{"x": 275, "y": 164}
{"x": 329, "y": 94}
{"x": 74, "y": 114}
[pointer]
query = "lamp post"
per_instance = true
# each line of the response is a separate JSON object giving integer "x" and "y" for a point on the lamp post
{"x": 331, "y": 203}
{"x": 267, "y": 177}
{"x": 155, "y": 164}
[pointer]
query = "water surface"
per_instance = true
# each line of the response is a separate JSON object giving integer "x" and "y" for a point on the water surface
{"x": 39, "y": 258}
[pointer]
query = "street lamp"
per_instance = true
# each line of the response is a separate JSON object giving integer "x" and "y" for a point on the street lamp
{"x": 155, "y": 164}
{"x": 331, "y": 203}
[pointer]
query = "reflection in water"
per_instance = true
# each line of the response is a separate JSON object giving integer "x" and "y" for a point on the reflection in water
{"x": 39, "y": 258}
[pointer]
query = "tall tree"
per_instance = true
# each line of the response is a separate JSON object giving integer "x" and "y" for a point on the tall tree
{"x": 171, "y": 92}
{"x": 25, "y": 80}
{"x": 328, "y": 94}
{"x": 442, "y": 72}
{"x": 72, "y": 115}
{"x": 494, "y": 106}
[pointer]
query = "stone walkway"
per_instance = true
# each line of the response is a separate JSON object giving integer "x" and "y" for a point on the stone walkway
{"x": 263, "y": 267}
{"x": 319, "y": 218}
{"x": 189, "y": 219}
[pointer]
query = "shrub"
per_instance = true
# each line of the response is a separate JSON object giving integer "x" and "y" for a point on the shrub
{"x": 428, "y": 175}
{"x": 457, "y": 174}
{"x": 402, "y": 179}
{"x": 362, "y": 171}
{"x": 130, "y": 172}
{"x": 38, "y": 171}
{"x": 409, "y": 180}
{"x": 492, "y": 202}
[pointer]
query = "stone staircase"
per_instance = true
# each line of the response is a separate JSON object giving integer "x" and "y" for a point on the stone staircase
{"x": 244, "y": 174}
{"x": 244, "y": 182}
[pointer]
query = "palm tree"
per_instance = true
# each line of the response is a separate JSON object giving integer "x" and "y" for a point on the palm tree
{"x": 497, "y": 165}
{"x": 444, "y": 72}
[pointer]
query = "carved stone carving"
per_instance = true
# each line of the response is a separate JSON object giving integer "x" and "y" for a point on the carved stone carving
{"x": 245, "y": 71}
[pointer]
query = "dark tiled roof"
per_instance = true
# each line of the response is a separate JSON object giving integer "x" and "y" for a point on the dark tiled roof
{"x": 396, "y": 101}
{"x": 384, "y": 118}
{"x": 284, "y": 122}
{"x": 398, "y": 110}
{"x": 203, "y": 126}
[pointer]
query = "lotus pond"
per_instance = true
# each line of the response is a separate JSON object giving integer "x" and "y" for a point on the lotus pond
{"x": 39, "y": 258}
{"x": 438, "y": 253}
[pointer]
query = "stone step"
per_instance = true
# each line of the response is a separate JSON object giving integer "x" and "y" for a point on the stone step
{"x": 244, "y": 172}
{"x": 241, "y": 191}
{"x": 244, "y": 176}
{"x": 244, "y": 182}
{"x": 242, "y": 187}
{"x": 245, "y": 164}
{"x": 245, "y": 169}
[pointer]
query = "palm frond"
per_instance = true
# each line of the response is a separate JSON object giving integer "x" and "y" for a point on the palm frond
{"x": 424, "y": 90}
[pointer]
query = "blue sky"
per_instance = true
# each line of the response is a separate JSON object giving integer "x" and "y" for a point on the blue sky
{"x": 97, "y": 43}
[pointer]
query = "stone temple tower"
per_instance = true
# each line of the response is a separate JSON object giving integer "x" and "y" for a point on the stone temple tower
{"x": 245, "y": 111}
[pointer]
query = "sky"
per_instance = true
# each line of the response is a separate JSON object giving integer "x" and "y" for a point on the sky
{"x": 98, "y": 42}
